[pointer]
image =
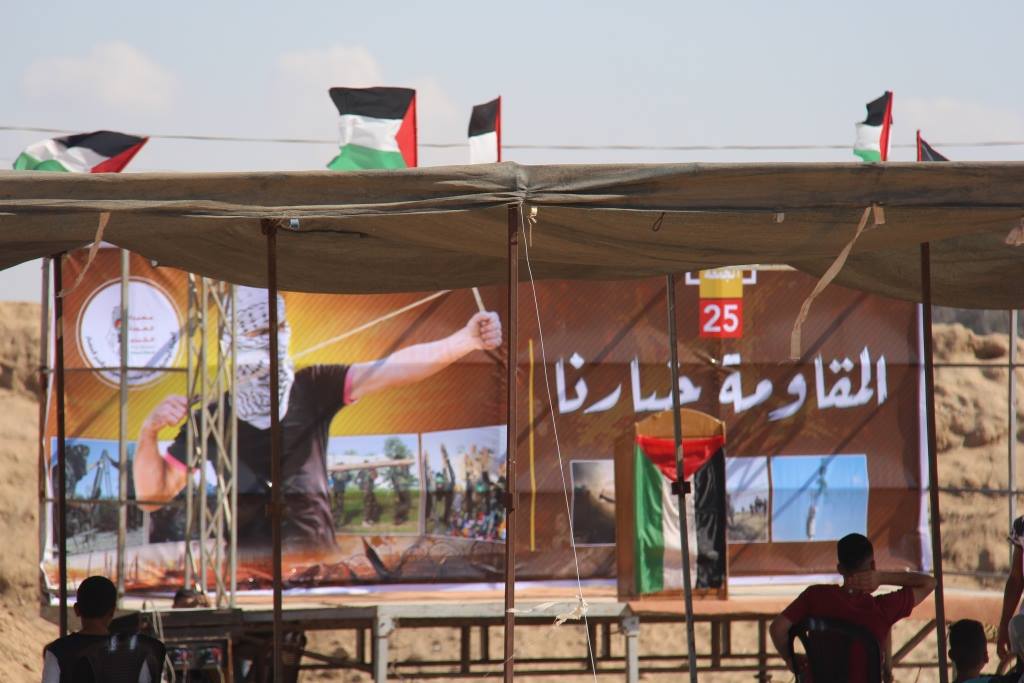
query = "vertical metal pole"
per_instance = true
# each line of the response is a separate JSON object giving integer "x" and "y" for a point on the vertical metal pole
{"x": 202, "y": 501}
{"x": 233, "y": 556}
{"x": 122, "y": 424}
{"x": 190, "y": 437}
{"x": 62, "y": 519}
{"x": 933, "y": 461}
{"x": 677, "y": 431}
{"x": 1012, "y": 412}
{"x": 44, "y": 404}
{"x": 270, "y": 229}
{"x": 514, "y": 220}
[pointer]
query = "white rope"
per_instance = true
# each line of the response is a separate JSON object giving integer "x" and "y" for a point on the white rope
{"x": 580, "y": 609}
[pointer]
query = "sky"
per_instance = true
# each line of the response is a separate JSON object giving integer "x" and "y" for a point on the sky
{"x": 569, "y": 72}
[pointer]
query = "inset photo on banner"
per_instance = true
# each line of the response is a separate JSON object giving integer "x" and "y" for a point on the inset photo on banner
{"x": 92, "y": 468}
{"x": 819, "y": 497}
{"x": 747, "y": 496}
{"x": 593, "y": 502}
{"x": 374, "y": 483}
{"x": 464, "y": 472}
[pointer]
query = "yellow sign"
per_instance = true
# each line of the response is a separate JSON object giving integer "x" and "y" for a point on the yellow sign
{"x": 721, "y": 283}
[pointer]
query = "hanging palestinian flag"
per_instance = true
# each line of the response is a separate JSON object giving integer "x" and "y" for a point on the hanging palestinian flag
{"x": 872, "y": 143}
{"x": 103, "y": 151}
{"x": 926, "y": 152}
{"x": 658, "y": 560}
{"x": 485, "y": 133}
{"x": 378, "y": 128}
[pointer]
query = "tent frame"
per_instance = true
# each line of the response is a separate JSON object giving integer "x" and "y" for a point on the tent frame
{"x": 270, "y": 227}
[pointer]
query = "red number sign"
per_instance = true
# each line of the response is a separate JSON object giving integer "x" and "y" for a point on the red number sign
{"x": 721, "y": 318}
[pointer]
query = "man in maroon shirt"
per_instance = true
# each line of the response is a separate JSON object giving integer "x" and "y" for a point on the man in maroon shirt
{"x": 853, "y": 601}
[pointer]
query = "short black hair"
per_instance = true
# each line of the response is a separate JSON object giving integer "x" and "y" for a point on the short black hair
{"x": 968, "y": 647}
{"x": 854, "y": 550}
{"x": 97, "y": 597}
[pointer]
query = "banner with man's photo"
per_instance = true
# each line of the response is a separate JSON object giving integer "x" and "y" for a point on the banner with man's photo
{"x": 393, "y": 417}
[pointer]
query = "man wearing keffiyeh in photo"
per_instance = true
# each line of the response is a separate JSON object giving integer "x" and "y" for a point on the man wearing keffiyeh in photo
{"x": 309, "y": 399}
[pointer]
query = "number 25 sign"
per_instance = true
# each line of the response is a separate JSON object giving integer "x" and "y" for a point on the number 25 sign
{"x": 721, "y": 318}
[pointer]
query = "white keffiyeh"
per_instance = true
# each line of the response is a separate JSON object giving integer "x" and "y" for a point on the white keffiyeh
{"x": 252, "y": 363}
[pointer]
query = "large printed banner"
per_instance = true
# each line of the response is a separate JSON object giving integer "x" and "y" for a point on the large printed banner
{"x": 394, "y": 461}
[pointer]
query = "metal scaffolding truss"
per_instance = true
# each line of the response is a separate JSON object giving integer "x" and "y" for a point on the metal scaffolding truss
{"x": 210, "y": 530}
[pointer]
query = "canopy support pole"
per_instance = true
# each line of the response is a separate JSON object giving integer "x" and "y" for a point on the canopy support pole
{"x": 270, "y": 230}
{"x": 62, "y": 519}
{"x": 122, "y": 426}
{"x": 677, "y": 430}
{"x": 511, "y": 436}
{"x": 933, "y": 460}
{"x": 44, "y": 405}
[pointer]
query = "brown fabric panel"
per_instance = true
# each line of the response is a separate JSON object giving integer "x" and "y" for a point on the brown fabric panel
{"x": 445, "y": 227}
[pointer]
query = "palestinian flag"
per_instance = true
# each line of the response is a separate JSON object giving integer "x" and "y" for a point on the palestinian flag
{"x": 103, "y": 151}
{"x": 658, "y": 560}
{"x": 485, "y": 133}
{"x": 926, "y": 152}
{"x": 872, "y": 143}
{"x": 378, "y": 128}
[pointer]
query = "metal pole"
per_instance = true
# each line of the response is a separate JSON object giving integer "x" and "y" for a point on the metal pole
{"x": 62, "y": 520}
{"x": 122, "y": 425}
{"x": 202, "y": 505}
{"x": 270, "y": 228}
{"x": 44, "y": 404}
{"x": 677, "y": 431}
{"x": 190, "y": 436}
{"x": 514, "y": 220}
{"x": 1012, "y": 412}
{"x": 933, "y": 461}
{"x": 233, "y": 556}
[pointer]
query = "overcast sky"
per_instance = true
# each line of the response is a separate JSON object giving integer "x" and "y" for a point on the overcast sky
{"x": 666, "y": 73}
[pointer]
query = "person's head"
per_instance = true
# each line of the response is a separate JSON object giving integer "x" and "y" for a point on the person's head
{"x": 189, "y": 597}
{"x": 95, "y": 602}
{"x": 968, "y": 647}
{"x": 252, "y": 360}
{"x": 855, "y": 554}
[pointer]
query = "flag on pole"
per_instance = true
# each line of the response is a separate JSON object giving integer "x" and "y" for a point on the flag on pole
{"x": 926, "y": 152}
{"x": 872, "y": 143}
{"x": 102, "y": 151}
{"x": 658, "y": 557}
{"x": 378, "y": 128}
{"x": 485, "y": 133}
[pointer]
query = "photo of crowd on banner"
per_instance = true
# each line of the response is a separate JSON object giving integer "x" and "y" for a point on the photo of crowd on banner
{"x": 375, "y": 483}
{"x": 465, "y": 472}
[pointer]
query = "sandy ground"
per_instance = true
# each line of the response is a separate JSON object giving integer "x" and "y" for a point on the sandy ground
{"x": 973, "y": 439}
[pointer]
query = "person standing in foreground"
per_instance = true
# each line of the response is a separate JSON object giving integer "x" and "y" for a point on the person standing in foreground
{"x": 968, "y": 650}
{"x": 853, "y": 602}
{"x": 1011, "y": 593}
{"x": 309, "y": 399}
{"x": 70, "y": 659}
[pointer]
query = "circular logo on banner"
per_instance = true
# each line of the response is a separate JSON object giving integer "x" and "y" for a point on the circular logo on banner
{"x": 154, "y": 331}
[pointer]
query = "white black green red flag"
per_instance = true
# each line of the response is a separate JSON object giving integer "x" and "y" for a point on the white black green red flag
{"x": 872, "y": 143}
{"x": 102, "y": 151}
{"x": 378, "y": 128}
{"x": 658, "y": 553}
{"x": 926, "y": 152}
{"x": 485, "y": 133}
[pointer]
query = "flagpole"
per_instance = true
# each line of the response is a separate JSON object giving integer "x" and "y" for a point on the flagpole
{"x": 680, "y": 486}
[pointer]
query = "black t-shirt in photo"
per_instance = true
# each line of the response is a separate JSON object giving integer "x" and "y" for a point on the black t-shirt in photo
{"x": 316, "y": 397}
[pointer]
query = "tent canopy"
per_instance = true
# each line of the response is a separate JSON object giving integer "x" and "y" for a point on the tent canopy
{"x": 446, "y": 227}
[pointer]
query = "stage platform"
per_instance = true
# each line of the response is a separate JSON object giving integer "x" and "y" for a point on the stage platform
{"x": 374, "y": 617}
